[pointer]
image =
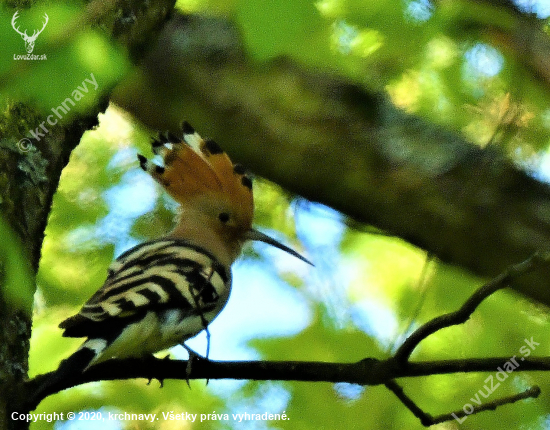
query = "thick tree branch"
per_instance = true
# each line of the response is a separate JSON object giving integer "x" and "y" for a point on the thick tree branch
{"x": 369, "y": 371}
{"x": 334, "y": 142}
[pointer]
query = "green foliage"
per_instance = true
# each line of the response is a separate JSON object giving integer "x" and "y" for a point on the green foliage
{"x": 273, "y": 28}
{"x": 367, "y": 290}
{"x": 428, "y": 57}
{"x": 70, "y": 59}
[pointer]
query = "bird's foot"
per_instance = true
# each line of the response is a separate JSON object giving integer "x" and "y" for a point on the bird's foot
{"x": 193, "y": 356}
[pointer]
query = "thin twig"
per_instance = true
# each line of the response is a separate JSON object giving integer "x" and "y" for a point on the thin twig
{"x": 532, "y": 392}
{"x": 421, "y": 287}
{"x": 425, "y": 419}
{"x": 463, "y": 314}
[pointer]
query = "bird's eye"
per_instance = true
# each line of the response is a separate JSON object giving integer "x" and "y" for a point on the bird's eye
{"x": 223, "y": 217}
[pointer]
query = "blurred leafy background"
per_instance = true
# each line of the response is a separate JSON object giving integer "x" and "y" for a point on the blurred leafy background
{"x": 445, "y": 61}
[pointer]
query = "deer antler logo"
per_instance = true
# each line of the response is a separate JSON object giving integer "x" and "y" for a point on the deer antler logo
{"x": 29, "y": 40}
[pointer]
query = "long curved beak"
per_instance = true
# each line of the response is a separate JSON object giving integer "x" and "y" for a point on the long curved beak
{"x": 258, "y": 235}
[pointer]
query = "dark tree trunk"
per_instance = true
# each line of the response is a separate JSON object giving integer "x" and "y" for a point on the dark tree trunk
{"x": 29, "y": 175}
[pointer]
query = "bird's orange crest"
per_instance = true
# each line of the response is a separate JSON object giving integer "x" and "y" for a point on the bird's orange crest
{"x": 198, "y": 168}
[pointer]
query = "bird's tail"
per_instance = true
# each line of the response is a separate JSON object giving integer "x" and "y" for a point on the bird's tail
{"x": 68, "y": 371}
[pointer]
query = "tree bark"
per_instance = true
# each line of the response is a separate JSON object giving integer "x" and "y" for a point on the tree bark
{"x": 29, "y": 176}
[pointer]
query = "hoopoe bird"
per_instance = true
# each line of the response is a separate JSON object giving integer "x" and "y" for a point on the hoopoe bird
{"x": 165, "y": 291}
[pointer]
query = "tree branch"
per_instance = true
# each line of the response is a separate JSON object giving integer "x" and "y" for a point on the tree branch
{"x": 532, "y": 392}
{"x": 427, "y": 420}
{"x": 369, "y": 371}
{"x": 467, "y": 309}
{"x": 334, "y": 142}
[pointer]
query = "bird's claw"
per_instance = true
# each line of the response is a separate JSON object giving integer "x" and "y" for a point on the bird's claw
{"x": 193, "y": 356}
{"x": 161, "y": 380}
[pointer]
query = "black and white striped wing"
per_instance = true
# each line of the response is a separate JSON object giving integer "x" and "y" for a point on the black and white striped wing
{"x": 154, "y": 277}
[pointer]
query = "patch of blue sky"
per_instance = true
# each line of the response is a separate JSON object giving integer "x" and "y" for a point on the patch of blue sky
{"x": 349, "y": 392}
{"x": 344, "y": 35}
{"x": 321, "y": 230}
{"x": 419, "y": 10}
{"x": 260, "y": 306}
{"x": 541, "y": 8}
{"x": 126, "y": 201}
{"x": 133, "y": 196}
{"x": 319, "y": 226}
{"x": 376, "y": 320}
{"x": 538, "y": 166}
{"x": 123, "y": 158}
{"x": 483, "y": 60}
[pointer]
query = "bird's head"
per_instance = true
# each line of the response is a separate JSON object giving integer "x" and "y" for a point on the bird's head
{"x": 215, "y": 196}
